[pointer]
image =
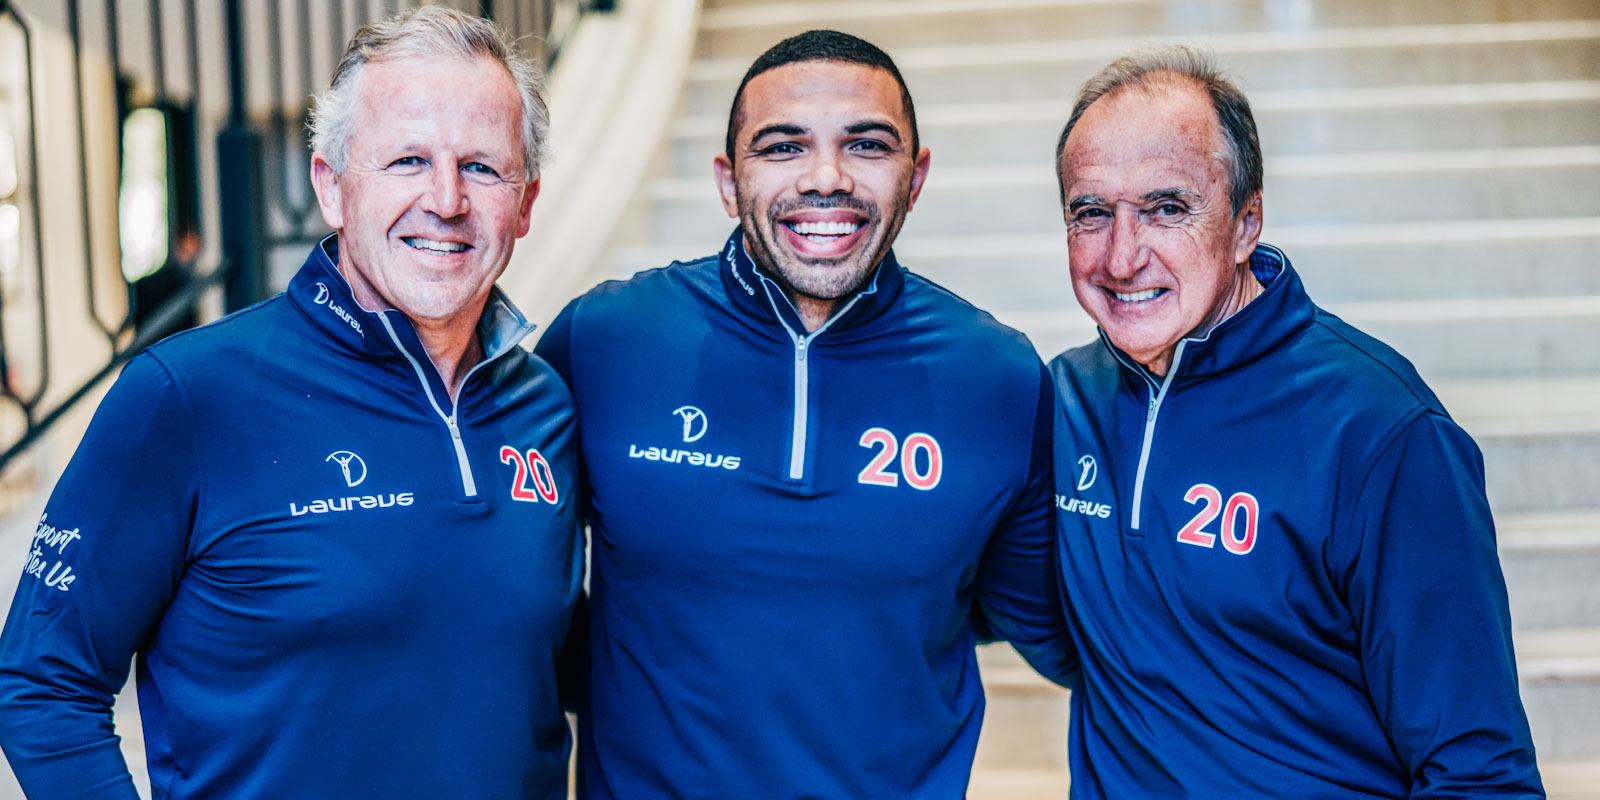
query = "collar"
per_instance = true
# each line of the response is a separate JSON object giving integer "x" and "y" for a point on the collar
{"x": 757, "y": 296}
{"x": 1280, "y": 312}
{"x": 322, "y": 294}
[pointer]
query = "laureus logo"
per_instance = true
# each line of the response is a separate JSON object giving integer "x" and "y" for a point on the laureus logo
{"x": 1086, "y": 472}
{"x": 694, "y": 423}
{"x": 355, "y": 470}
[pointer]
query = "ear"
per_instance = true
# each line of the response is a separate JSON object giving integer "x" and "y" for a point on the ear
{"x": 1247, "y": 229}
{"x": 727, "y": 187}
{"x": 919, "y": 173}
{"x": 325, "y": 182}
{"x": 530, "y": 192}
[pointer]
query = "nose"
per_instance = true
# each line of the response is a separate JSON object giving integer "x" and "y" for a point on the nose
{"x": 826, "y": 173}
{"x": 446, "y": 195}
{"x": 1128, "y": 254}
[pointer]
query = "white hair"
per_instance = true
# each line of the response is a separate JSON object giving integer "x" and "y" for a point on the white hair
{"x": 427, "y": 32}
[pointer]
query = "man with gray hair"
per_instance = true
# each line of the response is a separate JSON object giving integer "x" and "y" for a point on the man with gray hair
{"x": 1277, "y": 556}
{"x": 335, "y": 531}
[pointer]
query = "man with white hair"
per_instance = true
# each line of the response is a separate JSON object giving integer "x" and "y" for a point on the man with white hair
{"x": 337, "y": 529}
{"x": 1277, "y": 558}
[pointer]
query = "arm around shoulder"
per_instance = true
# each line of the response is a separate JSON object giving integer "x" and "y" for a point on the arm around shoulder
{"x": 1018, "y": 595}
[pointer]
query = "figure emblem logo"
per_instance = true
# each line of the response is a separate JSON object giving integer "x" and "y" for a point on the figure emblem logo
{"x": 348, "y": 460}
{"x": 1086, "y": 472}
{"x": 694, "y": 423}
{"x": 322, "y": 293}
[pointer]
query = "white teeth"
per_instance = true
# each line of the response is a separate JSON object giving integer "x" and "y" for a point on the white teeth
{"x": 437, "y": 247}
{"x": 1136, "y": 297}
{"x": 825, "y": 228}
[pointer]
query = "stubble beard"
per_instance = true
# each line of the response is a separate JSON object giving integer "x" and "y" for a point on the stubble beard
{"x": 820, "y": 279}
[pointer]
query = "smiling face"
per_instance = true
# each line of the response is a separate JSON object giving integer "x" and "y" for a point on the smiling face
{"x": 822, "y": 175}
{"x": 434, "y": 194}
{"x": 1156, "y": 252}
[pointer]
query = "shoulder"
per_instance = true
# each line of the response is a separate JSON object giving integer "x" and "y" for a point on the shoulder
{"x": 973, "y": 332}
{"x": 1358, "y": 371}
{"x": 232, "y": 347}
{"x": 614, "y": 300}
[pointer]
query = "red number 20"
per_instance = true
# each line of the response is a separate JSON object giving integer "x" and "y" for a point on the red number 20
{"x": 534, "y": 466}
{"x": 876, "y": 472}
{"x": 1194, "y": 532}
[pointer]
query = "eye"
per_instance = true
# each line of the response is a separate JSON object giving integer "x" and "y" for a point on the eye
{"x": 478, "y": 168}
{"x": 1170, "y": 210}
{"x": 407, "y": 161}
{"x": 780, "y": 149}
{"x": 870, "y": 145}
{"x": 1091, "y": 213}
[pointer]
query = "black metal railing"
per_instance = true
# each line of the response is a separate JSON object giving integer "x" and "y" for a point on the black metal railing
{"x": 240, "y": 221}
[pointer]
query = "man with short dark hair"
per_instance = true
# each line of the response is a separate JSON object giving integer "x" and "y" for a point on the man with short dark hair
{"x": 337, "y": 529}
{"x": 812, "y": 474}
{"x": 1277, "y": 557}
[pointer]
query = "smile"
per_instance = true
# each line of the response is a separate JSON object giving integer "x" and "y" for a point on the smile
{"x": 434, "y": 246}
{"x": 1138, "y": 297}
{"x": 824, "y": 231}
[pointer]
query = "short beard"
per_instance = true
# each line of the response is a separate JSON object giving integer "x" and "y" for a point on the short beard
{"x": 827, "y": 284}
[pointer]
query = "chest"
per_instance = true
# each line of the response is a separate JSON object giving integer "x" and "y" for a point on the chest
{"x": 862, "y": 461}
{"x": 356, "y": 513}
{"x": 1204, "y": 510}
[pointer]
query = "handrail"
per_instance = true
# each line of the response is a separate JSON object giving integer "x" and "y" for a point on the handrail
{"x": 256, "y": 133}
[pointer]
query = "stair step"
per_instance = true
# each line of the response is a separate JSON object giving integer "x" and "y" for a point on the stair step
{"x": 1570, "y": 780}
{"x": 747, "y": 30}
{"x": 1443, "y": 338}
{"x": 1347, "y": 58}
{"x": 1297, "y": 122}
{"x": 1551, "y": 562}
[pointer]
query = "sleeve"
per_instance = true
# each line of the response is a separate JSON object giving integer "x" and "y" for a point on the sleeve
{"x": 102, "y": 567}
{"x": 1429, "y": 601}
{"x": 1017, "y": 595}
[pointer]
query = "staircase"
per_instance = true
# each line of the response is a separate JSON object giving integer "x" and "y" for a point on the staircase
{"x": 1433, "y": 169}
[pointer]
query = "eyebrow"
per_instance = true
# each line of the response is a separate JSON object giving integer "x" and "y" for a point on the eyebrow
{"x": 777, "y": 130}
{"x": 1085, "y": 200}
{"x": 873, "y": 125}
{"x": 1175, "y": 193}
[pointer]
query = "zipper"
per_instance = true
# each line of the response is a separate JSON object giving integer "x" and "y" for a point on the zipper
{"x": 468, "y": 484}
{"x": 1157, "y": 395}
{"x": 802, "y": 380}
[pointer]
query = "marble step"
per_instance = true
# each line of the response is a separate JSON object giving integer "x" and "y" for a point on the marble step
{"x": 1291, "y": 121}
{"x": 1440, "y": 186}
{"x": 1551, "y": 562}
{"x": 1345, "y": 58}
{"x": 1465, "y": 338}
{"x": 746, "y": 30}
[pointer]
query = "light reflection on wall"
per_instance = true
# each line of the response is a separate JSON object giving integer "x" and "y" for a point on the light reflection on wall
{"x": 10, "y": 214}
{"x": 142, "y": 202}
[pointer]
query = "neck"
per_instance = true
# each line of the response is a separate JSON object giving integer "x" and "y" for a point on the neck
{"x": 814, "y": 313}
{"x": 454, "y": 349}
{"x": 1245, "y": 289}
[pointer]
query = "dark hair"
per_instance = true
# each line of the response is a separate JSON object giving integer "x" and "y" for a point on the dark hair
{"x": 820, "y": 45}
{"x": 1171, "y": 64}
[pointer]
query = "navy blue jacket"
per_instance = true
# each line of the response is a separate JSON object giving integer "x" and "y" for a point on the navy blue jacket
{"x": 1280, "y": 570}
{"x": 790, "y": 531}
{"x": 330, "y": 594}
